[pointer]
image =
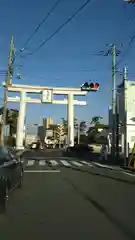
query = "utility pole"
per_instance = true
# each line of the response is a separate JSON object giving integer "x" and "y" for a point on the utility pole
{"x": 114, "y": 99}
{"x": 125, "y": 116}
{"x": 113, "y": 51}
{"x": 8, "y": 81}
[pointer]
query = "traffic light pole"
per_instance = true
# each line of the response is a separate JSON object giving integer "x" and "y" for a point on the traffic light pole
{"x": 113, "y": 99}
{"x": 8, "y": 81}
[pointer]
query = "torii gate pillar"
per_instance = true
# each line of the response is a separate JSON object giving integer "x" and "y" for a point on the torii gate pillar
{"x": 70, "y": 119}
{"x": 20, "y": 122}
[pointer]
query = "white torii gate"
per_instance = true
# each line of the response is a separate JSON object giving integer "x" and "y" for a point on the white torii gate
{"x": 50, "y": 91}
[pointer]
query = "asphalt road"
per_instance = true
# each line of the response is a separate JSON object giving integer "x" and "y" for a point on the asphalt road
{"x": 77, "y": 202}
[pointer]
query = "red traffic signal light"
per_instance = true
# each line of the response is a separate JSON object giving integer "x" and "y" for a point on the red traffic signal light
{"x": 90, "y": 87}
{"x": 96, "y": 85}
{"x": 93, "y": 86}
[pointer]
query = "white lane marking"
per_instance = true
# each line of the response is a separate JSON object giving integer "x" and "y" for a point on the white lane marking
{"x": 101, "y": 165}
{"x": 65, "y": 163}
{"x": 129, "y": 174}
{"x": 30, "y": 162}
{"x": 41, "y": 171}
{"x": 77, "y": 163}
{"x": 87, "y": 163}
{"x": 42, "y": 163}
{"x": 53, "y": 162}
{"x": 106, "y": 166}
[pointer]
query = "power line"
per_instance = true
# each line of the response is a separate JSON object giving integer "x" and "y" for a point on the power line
{"x": 22, "y": 56}
{"x": 130, "y": 44}
{"x": 130, "y": 18}
{"x": 41, "y": 23}
{"x": 61, "y": 27}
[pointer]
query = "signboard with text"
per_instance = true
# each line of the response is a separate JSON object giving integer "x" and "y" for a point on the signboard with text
{"x": 47, "y": 96}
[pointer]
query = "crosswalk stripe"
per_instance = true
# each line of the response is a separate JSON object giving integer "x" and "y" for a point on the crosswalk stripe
{"x": 42, "y": 162}
{"x": 65, "y": 163}
{"x": 53, "y": 162}
{"x": 87, "y": 163}
{"x": 30, "y": 162}
{"x": 77, "y": 163}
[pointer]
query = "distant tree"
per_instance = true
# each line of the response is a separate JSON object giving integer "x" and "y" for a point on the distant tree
{"x": 65, "y": 124}
{"x": 12, "y": 116}
{"x": 93, "y": 130}
{"x": 83, "y": 127}
{"x": 11, "y": 119}
{"x": 75, "y": 123}
{"x": 96, "y": 120}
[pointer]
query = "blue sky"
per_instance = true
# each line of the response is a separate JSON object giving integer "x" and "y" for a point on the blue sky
{"x": 67, "y": 59}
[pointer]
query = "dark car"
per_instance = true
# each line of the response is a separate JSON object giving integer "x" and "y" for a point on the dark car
{"x": 11, "y": 174}
{"x": 80, "y": 149}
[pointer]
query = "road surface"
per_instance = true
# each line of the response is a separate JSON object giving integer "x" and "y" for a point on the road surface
{"x": 70, "y": 202}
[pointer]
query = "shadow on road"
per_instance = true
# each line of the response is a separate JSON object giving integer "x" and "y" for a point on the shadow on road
{"x": 42, "y": 153}
{"x": 121, "y": 226}
{"x": 102, "y": 175}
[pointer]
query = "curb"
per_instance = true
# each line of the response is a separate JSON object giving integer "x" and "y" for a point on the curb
{"x": 131, "y": 169}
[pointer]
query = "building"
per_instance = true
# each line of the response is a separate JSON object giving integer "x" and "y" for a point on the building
{"x": 47, "y": 122}
{"x": 46, "y": 125}
{"x": 44, "y": 131}
{"x": 30, "y": 138}
{"x": 126, "y": 112}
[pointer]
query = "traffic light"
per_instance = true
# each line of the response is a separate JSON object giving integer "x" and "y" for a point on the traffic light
{"x": 90, "y": 87}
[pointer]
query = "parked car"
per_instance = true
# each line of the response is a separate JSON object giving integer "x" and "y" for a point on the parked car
{"x": 11, "y": 174}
